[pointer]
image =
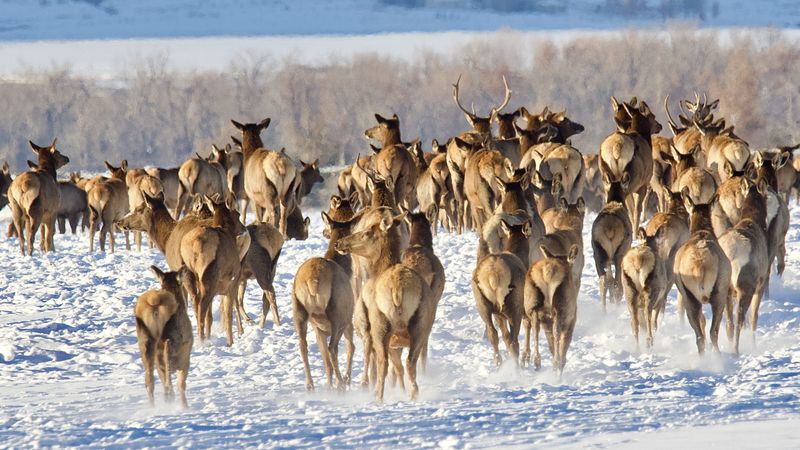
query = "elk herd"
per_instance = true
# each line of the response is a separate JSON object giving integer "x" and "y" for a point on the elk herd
{"x": 714, "y": 211}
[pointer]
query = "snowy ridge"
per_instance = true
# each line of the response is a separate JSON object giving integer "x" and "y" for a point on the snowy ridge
{"x": 72, "y": 377}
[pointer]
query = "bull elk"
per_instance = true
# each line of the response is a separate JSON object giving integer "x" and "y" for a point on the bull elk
{"x": 34, "y": 197}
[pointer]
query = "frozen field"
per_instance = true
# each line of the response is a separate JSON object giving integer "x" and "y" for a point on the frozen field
{"x": 71, "y": 374}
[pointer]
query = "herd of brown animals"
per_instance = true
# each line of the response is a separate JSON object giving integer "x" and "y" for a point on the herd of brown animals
{"x": 716, "y": 219}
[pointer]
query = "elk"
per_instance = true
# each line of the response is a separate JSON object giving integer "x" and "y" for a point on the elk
{"x": 484, "y": 171}
{"x": 140, "y": 184}
{"x": 235, "y": 177}
{"x": 497, "y": 285}
{"x": 199, "y": 176}
{"x": 786, "y": 174}
{"x": 593, "y": 193}
{"x": 321, "y": 295}
{"x": 628, "y": 151}
{"x": 483, "y": 125}
{"x": 5, "y": 182}
{"x": 551, "y": 300}
{"x": 342, "y": 209}
{"x": 644, "y": 282}
{"x": 393, "y": 160}
{"x": 564, "y": 228}
{"x": 703, "y": 275}
{"x": 727, "y": 209}
{"x": 169, "y": 183}
{"x": 777, "y": 210}
{"x": 34, "y": 197}
{"x": 260, "y": 263}
{"x": 108, "y": 203}
{"x": 671, "y": 230}
{"x": 213, "y": 254}
{"x": 611, "y": 237}
{"x": 165, "y": 333}
{"x": 458, "y": 152}
{"x": 399, "y": 303}
{"x": 745, "y": 245}
{"x": 420, "y": 256}
{"x": 686, "y": 174}
{"x": 72, "y": 207}
{"x": 269, "y": 176}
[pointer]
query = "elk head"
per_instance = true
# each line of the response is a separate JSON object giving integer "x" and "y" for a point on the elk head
{"x": 387, "y": 131}
{"x": 251, "y": 134}
{"x": 309, "y": 176}
{"x": 482, "y": 125}
{"x": 49, "y": 158}
{"x": 118, "y": 172}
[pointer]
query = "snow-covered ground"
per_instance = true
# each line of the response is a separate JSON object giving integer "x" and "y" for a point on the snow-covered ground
{"x": 70, "y": 373}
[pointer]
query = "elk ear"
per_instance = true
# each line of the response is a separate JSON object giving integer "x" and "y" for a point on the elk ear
{"x": 303, "y": 163}
{"x": 614, "y": 104}
{"x": 306, "y": 222}
{"x": 32, "y": 164}
{"x": 536, "y": 180}
{"x": 562, "y": 204}
{"x": 546, "y": 251}
{"x": 326, "y": 219}
{"x": 236, "y": 142}
{"x": 728, "y": 167}
{"x": 109, "y": 166}
{"x": 573, "y": 253}
{"x": 315, "y": 164}
{"x": 524, "y": 179}
{"x": 687, "y": 198}
{"x": 781, "y": 160}
{"x": 380, "y": 118}
{"x": 5, "y": 168}
{"x": 336, "y": 201}
{"x": 642, "y": 234}
{"x": 374, "y": 148}
{"x": 34, "y": 147}
{"x": 237, "y": 125}
{"x": 763, "y": 187}
{"x": 581, "y": 205}
{"x": 264, "y": 123}
{"x": 607, "y": 179}
{"x": 505, "y": 227}
{"x": 621, "y": 125}
{"x": 158, "y": 272}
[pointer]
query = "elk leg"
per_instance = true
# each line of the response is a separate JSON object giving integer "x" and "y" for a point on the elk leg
{"x": 333, "y": 351}
{"x": 755, "y": 307}
{"x": 326, "y": 357}
{"x": 526, "y": 355}
{"x": 147, "y": 353}
{"x": 380, "y": 342}
{"x": 301, "y": 326}
{"x": 273, "y": 303}
{"x": 396, "y": 362}
{"x": 694, "y": 314}
{"x": 633, "y": 306}
{"x": 537, "y": 358}
{"x": 351, "y": 348}
{"x": 33, "y": 226}
{"x": 226, "y": 314}
{"x": 62, "y": 224}
{"x": 181, "y": 377}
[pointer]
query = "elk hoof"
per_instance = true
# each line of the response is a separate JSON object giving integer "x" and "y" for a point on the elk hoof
{"x": 310, "y": 386}
{"x": 537, "y": 362}
{"x": 526, "y": 359}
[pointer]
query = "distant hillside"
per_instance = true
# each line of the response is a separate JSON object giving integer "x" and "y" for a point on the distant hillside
{"x": 106, "y": 19}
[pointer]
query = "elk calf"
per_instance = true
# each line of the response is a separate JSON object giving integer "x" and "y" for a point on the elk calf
{"x": 165, "y": 333}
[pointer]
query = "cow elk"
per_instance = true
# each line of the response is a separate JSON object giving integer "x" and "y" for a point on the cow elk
{"x": 165, "y": 333}
{"x": 322, "y": 295}
{"x": 34, "y": 197}
{"x": 611, "y": 237}
{"x": 108, "y": 203}
{"x": 644, "y": 282}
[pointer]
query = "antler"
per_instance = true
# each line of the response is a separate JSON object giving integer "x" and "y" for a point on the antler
{"x": 455, "y": 97}
{"x": 506, "y": 98}
{"x": 672, "y": 125}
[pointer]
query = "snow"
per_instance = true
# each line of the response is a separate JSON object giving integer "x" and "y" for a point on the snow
{"x": 72, "y": 377}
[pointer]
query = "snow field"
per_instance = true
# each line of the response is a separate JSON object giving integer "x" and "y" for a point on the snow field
{"x": 72, "y": 376}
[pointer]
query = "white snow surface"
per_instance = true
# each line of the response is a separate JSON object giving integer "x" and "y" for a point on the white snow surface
{"x": 71, "y": 376}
